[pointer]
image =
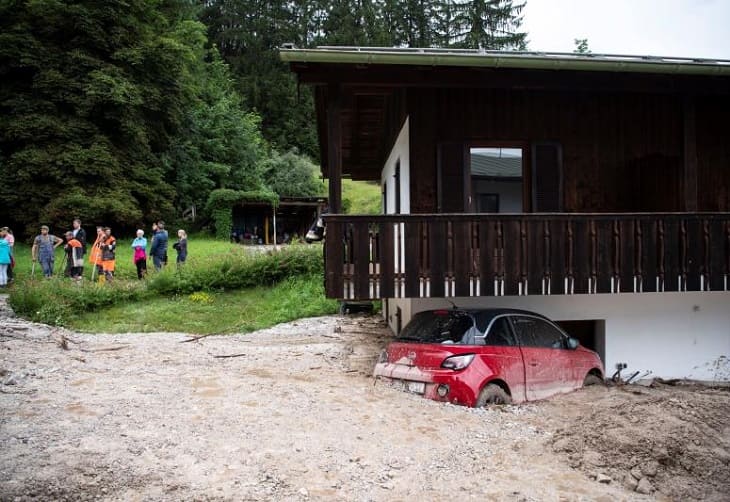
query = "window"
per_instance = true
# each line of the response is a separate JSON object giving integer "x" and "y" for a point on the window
{"x": 536, "y": 332}
{"x": 496, "y": 180}
{"x": 451, "y": 326}
{"x": 500, "y": 333}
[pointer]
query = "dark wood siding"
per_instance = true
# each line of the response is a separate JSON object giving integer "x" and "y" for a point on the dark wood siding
{"x": 713, "y": 152}
{"x": 620, "y": 152}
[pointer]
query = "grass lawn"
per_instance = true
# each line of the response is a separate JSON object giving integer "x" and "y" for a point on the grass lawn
{"x": 201, "y": 313}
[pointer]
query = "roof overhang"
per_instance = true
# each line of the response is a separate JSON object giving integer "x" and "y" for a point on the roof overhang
{"x": 469, "y": 58}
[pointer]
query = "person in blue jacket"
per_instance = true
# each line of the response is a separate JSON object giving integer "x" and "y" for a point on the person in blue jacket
{"x": 158, "y": 249}
{"x": 4, "y": 259}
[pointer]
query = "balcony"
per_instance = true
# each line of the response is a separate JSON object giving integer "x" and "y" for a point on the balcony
{"x": 457, "y": 255}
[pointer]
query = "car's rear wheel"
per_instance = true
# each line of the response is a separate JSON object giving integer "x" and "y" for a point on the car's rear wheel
{"x": 592, "y": 379}
{"x": 492, "y": 394}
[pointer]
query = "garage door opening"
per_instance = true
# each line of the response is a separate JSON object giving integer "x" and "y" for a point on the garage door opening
{"x": 590, "y": 333}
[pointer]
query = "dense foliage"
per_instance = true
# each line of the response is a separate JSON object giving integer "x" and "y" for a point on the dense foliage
{"x": 91, "y": 93}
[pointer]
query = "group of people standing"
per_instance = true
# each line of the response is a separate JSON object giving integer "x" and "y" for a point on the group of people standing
{"x": 102, "y": 255}
{"x": 158, "y": 249}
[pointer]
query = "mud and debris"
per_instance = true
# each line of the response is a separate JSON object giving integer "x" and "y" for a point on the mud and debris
{"x": 292, "y": 413}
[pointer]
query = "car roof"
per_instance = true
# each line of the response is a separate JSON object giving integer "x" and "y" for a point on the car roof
{"x": 490, "y": 313}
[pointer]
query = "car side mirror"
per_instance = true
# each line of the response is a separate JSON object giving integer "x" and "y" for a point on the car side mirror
{"x": 573, "y": 343}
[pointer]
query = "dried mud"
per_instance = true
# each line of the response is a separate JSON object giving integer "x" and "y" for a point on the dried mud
{"x": 292, "y": 413}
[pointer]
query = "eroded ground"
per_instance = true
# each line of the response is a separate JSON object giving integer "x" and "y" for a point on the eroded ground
{"x": 291, "y": 413}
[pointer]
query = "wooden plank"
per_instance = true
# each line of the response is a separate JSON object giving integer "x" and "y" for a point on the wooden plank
{"x": 718, "y": 254}
{"x": 437, "y": 257}
{"x": 649, "y": 251}
{"x": 512, "y": 256}
{"x": 334, "y": 256}
{"x": 626, "y": 258}
{"x": 411, "y": 245}
{"x": 671, "y": 254}
{"x": 462, "y": 257}
{"x": 582, "y": 255}
{"x": 536, "y": 266}
{"x": 487, "y": 257}
{"x": 694, "y": 253}
{"x": 604, "y": 255}
{"x": 361, "y": 260}
{"x": 557, "y": 256}
{"x": 386, "y": 255}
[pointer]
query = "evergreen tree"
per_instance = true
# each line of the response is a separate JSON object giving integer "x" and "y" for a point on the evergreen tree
{"x": 90, "y": 95}
{"x": 220, "y": 144}
{"x": 248, "y": 34}
{"x": 488, "y": 24}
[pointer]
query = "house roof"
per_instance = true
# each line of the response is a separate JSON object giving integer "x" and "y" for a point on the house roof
{"x": 477, "y": 58}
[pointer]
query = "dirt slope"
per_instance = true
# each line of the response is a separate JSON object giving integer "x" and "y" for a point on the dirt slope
{"x": 296, "y": 416}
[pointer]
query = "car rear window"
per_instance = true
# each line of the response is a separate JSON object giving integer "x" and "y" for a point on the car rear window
{"x": 438, "y": 327}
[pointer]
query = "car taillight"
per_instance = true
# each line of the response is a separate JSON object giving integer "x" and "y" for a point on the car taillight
{"x": 457, "y": 362}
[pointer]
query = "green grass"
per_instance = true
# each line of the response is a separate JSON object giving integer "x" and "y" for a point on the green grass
{"x": 223, "y": 288}
{"x": 362, "y": 197}
{"x": 230, "y": 312}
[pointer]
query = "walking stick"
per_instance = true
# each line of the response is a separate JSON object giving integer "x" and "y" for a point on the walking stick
{"x": 32, "y": 270}
{"x": 63, "y": 263}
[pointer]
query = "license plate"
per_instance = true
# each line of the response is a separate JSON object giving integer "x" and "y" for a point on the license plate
{"x": 409, "y": 386}
{"x": 416, "y": 387}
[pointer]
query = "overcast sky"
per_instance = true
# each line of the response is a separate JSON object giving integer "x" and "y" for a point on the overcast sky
{"x": 689, "y": 28}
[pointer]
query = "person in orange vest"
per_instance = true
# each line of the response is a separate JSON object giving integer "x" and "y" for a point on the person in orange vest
{"x": 95, "y": 254}
{"x": 108, "y": 254}
{"x": 75, "y": 256}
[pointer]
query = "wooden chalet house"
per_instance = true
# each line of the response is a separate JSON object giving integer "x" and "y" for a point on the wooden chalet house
{"x": 593, "y": 189}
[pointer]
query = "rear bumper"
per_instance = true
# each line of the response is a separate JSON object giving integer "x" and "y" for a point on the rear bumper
{"x": 460, "y": 390}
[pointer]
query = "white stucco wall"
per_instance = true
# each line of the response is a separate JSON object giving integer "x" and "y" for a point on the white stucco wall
{"x": 673, "y": 335}
{"x": 510, "y": 193}
{"x": 400, "y": 152}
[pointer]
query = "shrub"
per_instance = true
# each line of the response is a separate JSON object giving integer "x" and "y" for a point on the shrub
{"x": 237, "y": 270}
{"x": 54, "y": 301}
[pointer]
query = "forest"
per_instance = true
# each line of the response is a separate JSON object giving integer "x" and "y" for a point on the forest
{"x": 125, "y": 112}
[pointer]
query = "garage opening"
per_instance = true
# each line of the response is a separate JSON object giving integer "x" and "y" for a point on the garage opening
{"x": 590, "y": 333}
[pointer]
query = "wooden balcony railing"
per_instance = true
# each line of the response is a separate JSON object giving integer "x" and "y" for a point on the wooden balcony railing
{"x": 445, "y": 255}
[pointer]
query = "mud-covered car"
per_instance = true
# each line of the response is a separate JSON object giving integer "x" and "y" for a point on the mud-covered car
{"x": 489, "y": 356}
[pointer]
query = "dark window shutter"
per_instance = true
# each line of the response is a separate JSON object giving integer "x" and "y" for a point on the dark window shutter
{"x": 451, "y": 178}
{"x": 547, "y": 177}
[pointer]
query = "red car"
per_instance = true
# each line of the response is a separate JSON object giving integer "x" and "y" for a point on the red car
{"x": 490, "y": 356}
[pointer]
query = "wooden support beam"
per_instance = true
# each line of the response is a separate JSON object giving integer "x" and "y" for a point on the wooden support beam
{"x": 334, "y": 147}
{"x": 690, "y": 155}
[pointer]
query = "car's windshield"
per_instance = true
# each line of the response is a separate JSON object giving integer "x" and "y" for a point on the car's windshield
{"x": 440, "y": 326}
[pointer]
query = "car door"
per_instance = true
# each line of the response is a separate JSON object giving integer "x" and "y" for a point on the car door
{"x": 503, "y": 355}
{"x": 548, "y": 365}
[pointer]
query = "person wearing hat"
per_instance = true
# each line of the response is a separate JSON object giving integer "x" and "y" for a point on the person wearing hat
{"x": 43, "y": 250}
